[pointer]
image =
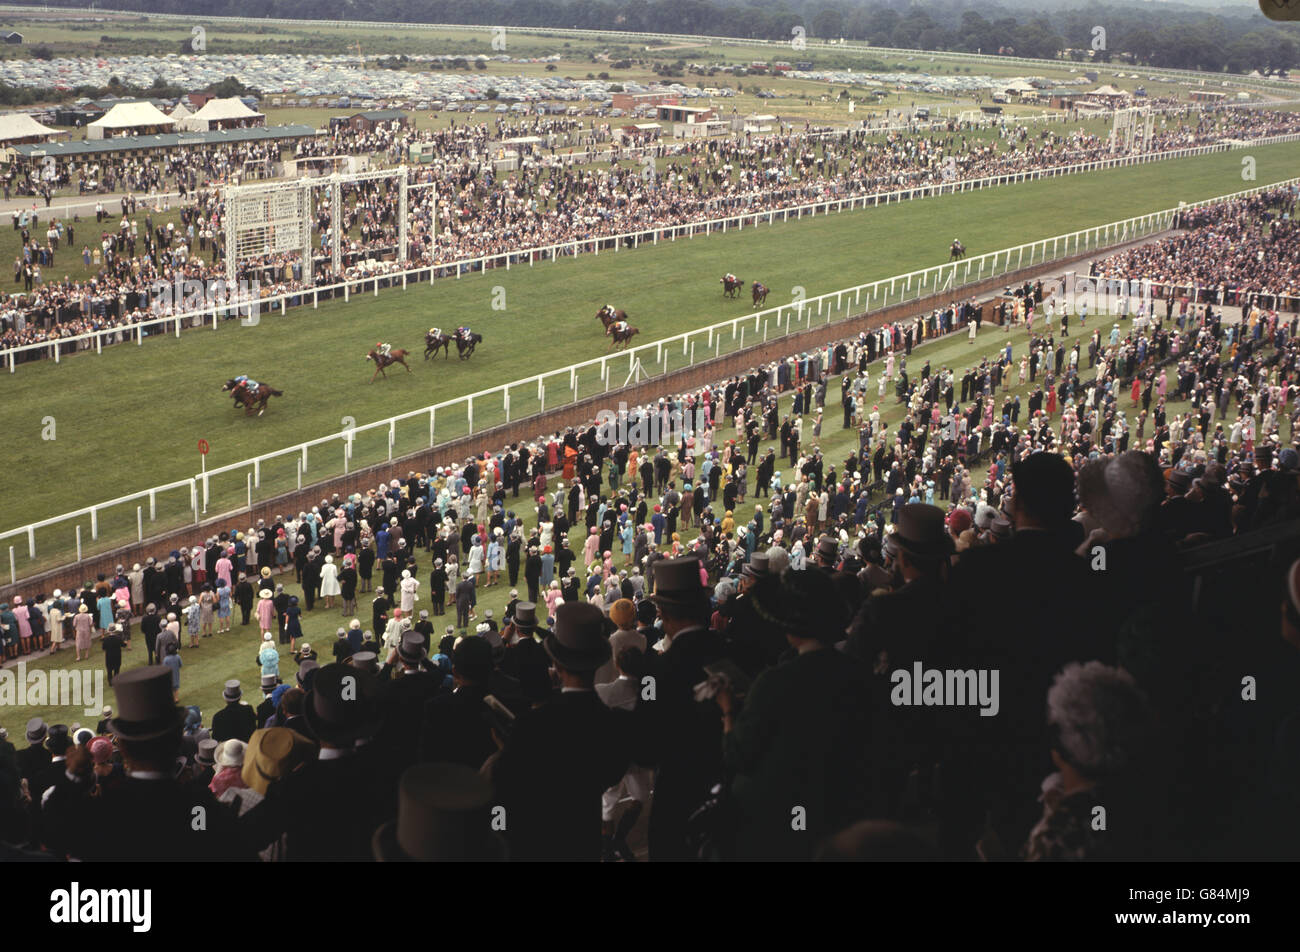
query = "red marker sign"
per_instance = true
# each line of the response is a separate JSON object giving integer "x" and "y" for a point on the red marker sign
{"x": 203, "y": 447}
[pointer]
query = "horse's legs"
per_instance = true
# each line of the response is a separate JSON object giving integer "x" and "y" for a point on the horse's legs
{"x": 407, "y": 366}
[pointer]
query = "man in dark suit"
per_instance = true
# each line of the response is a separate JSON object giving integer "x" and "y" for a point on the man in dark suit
{"x": 34, "y": 759}
{"x": 328, "y": 809}
{"x": 407, "y": 682}
{"x": 560, "y": 757}
{"x": 148, "y": 815}
{"x": 453, "y": 728}
{"x": 680, "y": 736}
{"x": 998, "y": 762}
{"x": 237, "y": 719}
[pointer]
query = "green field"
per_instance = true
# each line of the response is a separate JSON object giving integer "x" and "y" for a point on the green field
{"x": 131, "y": 418}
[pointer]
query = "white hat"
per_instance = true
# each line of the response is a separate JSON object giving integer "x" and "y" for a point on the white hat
{"x": 230, "y": 753}
{"x": 329, "y": 560}
{"x": 266, "y": 636}
{"x": 406, "y": 573}
{"x": 264, "y": 593}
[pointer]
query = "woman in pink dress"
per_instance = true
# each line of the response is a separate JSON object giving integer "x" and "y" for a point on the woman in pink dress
{"x": 1051, "y": 401}
{"x": 24, "y": 624}
{"x": 265, "y": 611}
{"x": 223, "y": 568}
{"x": 83, "y": 625}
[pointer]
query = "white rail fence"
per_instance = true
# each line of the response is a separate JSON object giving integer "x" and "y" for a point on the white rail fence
{"x": 235, "y": 487}
{"x": 212, "y": 314}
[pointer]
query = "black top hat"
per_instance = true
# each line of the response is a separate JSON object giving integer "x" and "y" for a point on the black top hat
{"x": 411, "y": 649}
{"x": 758, "y": 566}
{"x": 442, "y": 816}
{"x": 580, "y": 640}
{"x": 232, "y": 691}
{"x": 678, "y": 585}
{"x": 342, "y": 704}
{"x": 921, "y": 531}
{"x": 526, "y": 616}
{"x": 57, "y": 740}
{"x": 145, "y": 705}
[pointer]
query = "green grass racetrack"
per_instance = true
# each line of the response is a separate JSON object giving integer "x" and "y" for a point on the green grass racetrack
{"x": 130, "y": 418}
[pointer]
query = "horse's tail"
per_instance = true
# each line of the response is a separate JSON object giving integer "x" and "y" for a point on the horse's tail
{"x": 275, "y": 393}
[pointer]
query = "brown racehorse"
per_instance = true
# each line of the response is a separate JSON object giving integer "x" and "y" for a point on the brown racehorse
{"x": 623, "y": 336}
{"x": 465, "y": 347}
{"x": 608, "y": 315}
{"x": 251, "y": 400}
{"x": 395, "y": 356}
{"x": 760, "y": 294}
{"x": 730, "y": 288}
{"x": 956, "y": 250}
{"x": 432, "y": 344}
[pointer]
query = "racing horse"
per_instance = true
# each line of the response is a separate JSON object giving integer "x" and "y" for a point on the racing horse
{"x": 435, "y": 342}
{"x": 623, "y": 336}
{"x": 956, "y": 250}
{"x": 251, "y": 399}
{"x": 465, "y": 347}
{"x": 731, "y": 286}
{"x": 760, "y": 294}
{"x": 609, "y": 315}
{"x": 395, "y": 356}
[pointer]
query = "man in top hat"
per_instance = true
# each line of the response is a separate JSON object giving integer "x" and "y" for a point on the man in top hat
{"x": 827, "y": 555}
{"x": 328, "y": 809}
{"x": 680, "y": 736}
{"x": 995, "y": 756}
{"x": 408, "y": 681}
{"x": 894, "y": 629}
{"x": 237, "y": 719}
{"x": 750, "y": 641}
{"x": 453, "y": 728}
{"x": 444, "y": 814}
{"x": 563, "y": 755}
{"x": 34, "y": 759}
{"x": 266, "y": 709}
{"x": 149, "y": 814}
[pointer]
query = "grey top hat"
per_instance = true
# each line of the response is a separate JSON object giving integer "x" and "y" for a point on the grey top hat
{"x": 442, "y": 815}
{"x": 232, "y": 691}
{"x": 207, "y": 752}
{"x": 36, "y": 730}
{"x": 580, "y": 640}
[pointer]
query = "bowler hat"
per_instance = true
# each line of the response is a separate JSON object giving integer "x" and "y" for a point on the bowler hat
{"x": 442, "y": 815}
{"x": 342, "y": 703}
{"x": 580, "y": 640}
{"x": 146, "y": 708}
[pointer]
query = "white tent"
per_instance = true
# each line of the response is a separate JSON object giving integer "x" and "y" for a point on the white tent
{"x": 128, "y": 118}
{"x": 216, "y": 113}
{"x": 180, "y": 112}
{"x": 19, "y": 125}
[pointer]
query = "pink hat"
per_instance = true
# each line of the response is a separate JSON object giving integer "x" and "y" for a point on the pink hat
{"x": 101, "y": 749}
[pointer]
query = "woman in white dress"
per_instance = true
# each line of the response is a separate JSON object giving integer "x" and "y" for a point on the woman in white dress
{"x": 409, "y": 588}
{"x": 329, "y": 581}
{"x": 476, "y": 557}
